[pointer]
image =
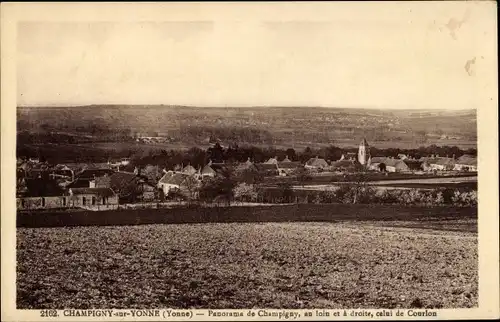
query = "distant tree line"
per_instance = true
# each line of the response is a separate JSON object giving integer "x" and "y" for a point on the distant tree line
{"x": 35, "y": 145}
{"x": 235, "y": 154}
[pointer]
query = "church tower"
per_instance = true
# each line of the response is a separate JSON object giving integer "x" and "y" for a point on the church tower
{"x": 364, "y": 153}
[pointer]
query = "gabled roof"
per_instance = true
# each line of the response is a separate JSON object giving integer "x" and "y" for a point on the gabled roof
{"x": 176, "y": 178}
{"x": 467, "y": 160}
{"x": 413, "y": 164}
{"x": 121, "y": 180}
{"x": 317, "y": 162}
{"x": 397, "y": 163}
{"x": 189, "y": 169}
{"x": 102, "y": 192}
{"x": 272, "y": 160}
{"x": 442, "y": 161}
{"x": 42, "y": 188}
{"x": 207, "y": 170}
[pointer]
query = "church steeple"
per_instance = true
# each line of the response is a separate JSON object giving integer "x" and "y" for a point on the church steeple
{"x": 364, "y": 153}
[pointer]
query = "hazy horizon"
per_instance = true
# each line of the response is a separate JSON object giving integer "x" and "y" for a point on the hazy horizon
{"x": 382, "y": 56}
{"x": 248, "y": 107}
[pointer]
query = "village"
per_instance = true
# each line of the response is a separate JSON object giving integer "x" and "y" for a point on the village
{"x": 106, "y": 186}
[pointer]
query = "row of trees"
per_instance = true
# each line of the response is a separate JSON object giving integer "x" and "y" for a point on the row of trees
{"x": 358, "y": 194}
{"x": 227, "y": 188}
{"x": 198, "y": 157}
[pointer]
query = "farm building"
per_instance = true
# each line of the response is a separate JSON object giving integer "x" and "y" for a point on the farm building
{"x": 286, "y": 168}
{"x": 93, "y": 198}
{"x": 39, "y": 194}
{"x": 172, "y": 181}
{"x": 207, "y": 171}
{"x": 150, "y": 172}
{"x": 245, "y": 166}
{"x": 466, "y": 163}
{"x": 46, "y": 202}
{"x": 316, "y": 163}
{"x": 438, "y": 163}
{"x": 128, "y": 186}
{"x": 413, "y": 165}
{"x": 272, "y": 161}
{"x": 189, "y": 170}
{"x": 387, "y": 164}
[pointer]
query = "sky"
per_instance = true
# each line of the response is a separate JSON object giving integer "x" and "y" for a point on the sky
{"x": 381, "y": 56}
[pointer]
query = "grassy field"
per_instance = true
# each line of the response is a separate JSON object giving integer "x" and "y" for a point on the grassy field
{"x": 247, "y": 265}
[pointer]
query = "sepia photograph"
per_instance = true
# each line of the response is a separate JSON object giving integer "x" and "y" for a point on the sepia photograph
{"x": 258, "y": 161}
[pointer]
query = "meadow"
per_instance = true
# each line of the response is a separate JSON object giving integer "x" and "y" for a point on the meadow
{"x": 363, "y": 264}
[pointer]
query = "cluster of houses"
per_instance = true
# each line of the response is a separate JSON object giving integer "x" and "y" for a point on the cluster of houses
{"x": 100, "y": 186}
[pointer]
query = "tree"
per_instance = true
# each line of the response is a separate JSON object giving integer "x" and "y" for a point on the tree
{"x": 245, "y": 192}
{"x": 303, "y": 175}
{"x": 216, "y": 153}
{"x": 192, "y": 187}
{"x": 251, "y": 176}
{"x": 286, "y": 191}
{"x": 292, "y": 155}
{"x": 220, "y": 187}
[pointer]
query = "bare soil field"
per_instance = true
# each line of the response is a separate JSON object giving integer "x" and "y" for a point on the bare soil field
{"x": 246, "y": 265}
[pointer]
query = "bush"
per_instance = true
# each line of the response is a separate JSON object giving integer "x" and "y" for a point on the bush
{"x": 245, "y": 193}
{"x": 465, "y": 198}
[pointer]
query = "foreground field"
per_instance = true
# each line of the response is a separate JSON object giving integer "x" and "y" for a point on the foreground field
{"x": 247, "y": 265}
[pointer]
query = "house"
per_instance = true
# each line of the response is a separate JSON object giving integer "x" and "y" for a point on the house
{"x": 388, "y": 164}
{"x": 177, "y": 181}
{"x": 152, "y": 173}
{"x": 413, "y": 165}
{"x": 438, "y": 164}
{"x": 246, "y": 166}
{"x": 93, "y": 198}
{"x": 37, "y": 194}
{"x": 395, "y": 165}
{"x": 128, "y": 186}
{"x": 207, "y": 171}
{"x": 272, "y": 161}
{"x": 316, "y": 164}
{"x": 466, "y": 163}
{"x": 42, "y": 187}
{"x": 189, "y": 170}
{"x": 287, "y": 167}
